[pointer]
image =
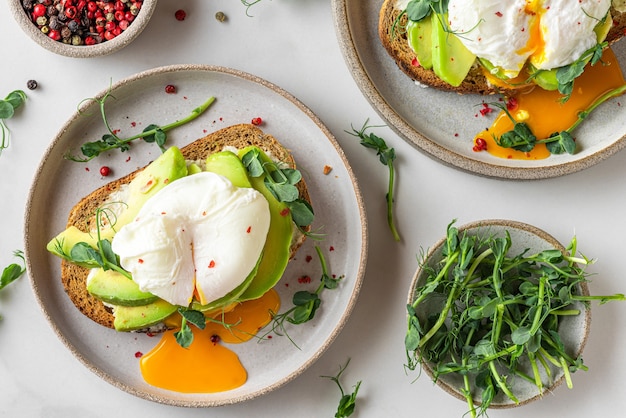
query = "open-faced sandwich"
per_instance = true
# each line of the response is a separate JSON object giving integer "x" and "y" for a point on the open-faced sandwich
{"x": 485, "y": 46}
{"x": 549, "y": 58}
{"x": 199, "y": 228}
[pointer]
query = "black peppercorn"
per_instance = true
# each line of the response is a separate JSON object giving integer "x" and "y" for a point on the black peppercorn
{"x": 31, "y": 84}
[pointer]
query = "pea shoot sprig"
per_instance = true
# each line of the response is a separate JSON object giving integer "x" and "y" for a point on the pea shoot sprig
{"x": 498, "y": 312}
{"x": 151, "y": 134}
{"x": 387, "y": 156}
{"x": 8, "y": 106}
{"x": 281, "y": 182}
{"x": 305, "y": 303}
{"x": 102, "y": 256}
{"x": 522, "y": 138}
{"x": 13, "y": 271}
{"x": 347, "y": 402}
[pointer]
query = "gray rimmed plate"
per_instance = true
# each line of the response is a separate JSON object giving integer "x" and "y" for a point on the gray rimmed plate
{"x": 140, "y": 100}
{"x": 573, "y": 330}
{"x": 443, "y": 124}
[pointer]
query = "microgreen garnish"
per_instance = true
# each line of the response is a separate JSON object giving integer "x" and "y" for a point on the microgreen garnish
{"x": 13, "y": 271}
{"x": 305, "y": 302}
{"x": 566, "y": 75}
{"x": 7, "y": 109}
{"x": 497, "y": 312}
{"x": 152, "y": 133}
{"x": 521, "y": 137}
{"x": 417, "y": 10}
{"x": 347, "y": 403}
{"x": 184, "y": 336}
{"x": 102, "y": 256}
{"x": 387, "y": 156}
{"x": 281, "y": 182}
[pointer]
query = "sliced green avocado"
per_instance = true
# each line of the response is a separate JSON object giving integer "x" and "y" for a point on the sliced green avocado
{"x": 451, "y": 59}
{"x": 62, "y": 244}
{"x": 420, "y": 39}
{"x": 277, "y": 247}
{"x": 112, "y": 287}
{"x": 168, "y": 167}
{"x": 230, "y": 166}
{"x": 130, "y": 318}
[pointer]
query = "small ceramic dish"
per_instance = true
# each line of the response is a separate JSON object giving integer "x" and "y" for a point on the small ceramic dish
{"x": 41, "y": 33}
{"x": 572, "y": 329}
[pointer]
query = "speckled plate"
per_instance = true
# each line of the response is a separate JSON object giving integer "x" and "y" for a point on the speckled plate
{"x": 141, "y": 100}
{"x": 573, "y": 330}
{"x": 443, "y": 124}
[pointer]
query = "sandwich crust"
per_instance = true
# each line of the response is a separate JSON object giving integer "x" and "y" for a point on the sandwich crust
{"x": 394, "y": 39}
{"x": 74, "y": 277}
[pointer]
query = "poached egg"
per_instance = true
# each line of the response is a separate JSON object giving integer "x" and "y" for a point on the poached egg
{"x": 199, "y": 236}
{"x": 547, "y": 33}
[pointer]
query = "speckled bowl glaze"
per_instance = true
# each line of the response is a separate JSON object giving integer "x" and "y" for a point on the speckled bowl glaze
{"x": 573, "y": 330}
{"x": 83, "y": 51}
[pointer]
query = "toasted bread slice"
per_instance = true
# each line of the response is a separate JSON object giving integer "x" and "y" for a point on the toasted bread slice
{"x": 394, "y": 38}
{"x": 81, "y": 216}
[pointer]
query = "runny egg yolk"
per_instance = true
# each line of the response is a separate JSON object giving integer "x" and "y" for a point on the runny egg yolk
{"x": 207, "y": 366}
{"x": 542, "y": 111}
{"x": 536, "y": 43}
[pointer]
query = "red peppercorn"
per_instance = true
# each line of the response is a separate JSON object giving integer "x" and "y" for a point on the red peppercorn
{"x": 119, "y": 5}
{"x": 54, "y": 34}
{"x": 90, "y": 40}
{"x": 170, "y": 89}
{"x": 123, "y": 25}
{"x": 39, "y": 10}
{"x": 110, "y": 25}
{"x": 480, "y": 145}
{"x": 105, "y": 171}
{"x": 92, "y": 6}
{"x": 256, "y": 121}
{"x": 108, "y": 35}
{"x": 215, "y": 339}
{"x": 180, "y": 14}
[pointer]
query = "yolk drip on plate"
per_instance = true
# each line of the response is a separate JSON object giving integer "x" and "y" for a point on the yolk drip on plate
{"x": 544, "y": 114}
{"x": 207, "y": 366}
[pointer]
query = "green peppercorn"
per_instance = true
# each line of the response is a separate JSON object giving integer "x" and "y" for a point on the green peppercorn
{"x": 45, "y": 29}
{"x": 42, "y": 20}
{"x": 220, "y": 16}
{"x": 77, "y": 40}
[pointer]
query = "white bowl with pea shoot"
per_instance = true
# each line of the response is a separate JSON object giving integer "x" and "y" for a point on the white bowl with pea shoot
{"x": 71, "y": 40}
{"x": 499, "y": 340}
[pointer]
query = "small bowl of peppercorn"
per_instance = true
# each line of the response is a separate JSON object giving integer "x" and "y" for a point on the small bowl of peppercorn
{"x": 82, "y": 28}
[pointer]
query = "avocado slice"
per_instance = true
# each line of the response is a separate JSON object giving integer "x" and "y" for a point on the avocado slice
{"x": 277, "y": 247}
{"x": 229, "y": 165}
{"x": 112, "y": 287}
{"x": 451, "y": 59}
{"x": 420, "y": 39}
{"x": 168, "y": 167}
{"x": 130, "y": 318}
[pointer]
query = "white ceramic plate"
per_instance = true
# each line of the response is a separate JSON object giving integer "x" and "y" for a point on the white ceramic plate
{"x": 573, "y": 330}
{"x": 141, "y": 100}
{"x": 443, "y": 124}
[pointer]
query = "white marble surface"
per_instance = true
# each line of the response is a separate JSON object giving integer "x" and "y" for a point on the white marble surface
{"x": 292, "y": 43}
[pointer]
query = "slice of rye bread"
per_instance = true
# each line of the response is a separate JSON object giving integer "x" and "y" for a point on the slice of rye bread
{"x": 392, "y": 34}
{"x": 82, "y": 216}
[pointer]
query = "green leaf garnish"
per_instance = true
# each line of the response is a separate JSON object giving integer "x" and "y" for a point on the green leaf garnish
{"x": 152, "y": 134}
{"x": 347, "y": 402}
{"x": 305, "y": 303}
{"x": 386, "y": 156}
{"x": 13, "y": 271}
{"x": 14, "y": 100}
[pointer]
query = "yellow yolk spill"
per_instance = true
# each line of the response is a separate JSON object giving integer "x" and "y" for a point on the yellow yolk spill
{"x": 536, "y": 44}
{"x": 544, "y": 114}
{"x": 206, "y": 366}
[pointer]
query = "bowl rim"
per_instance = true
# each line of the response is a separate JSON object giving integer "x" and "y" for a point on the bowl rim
{"x": 506, "y": 224}
{"x": 83, "y": 51}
